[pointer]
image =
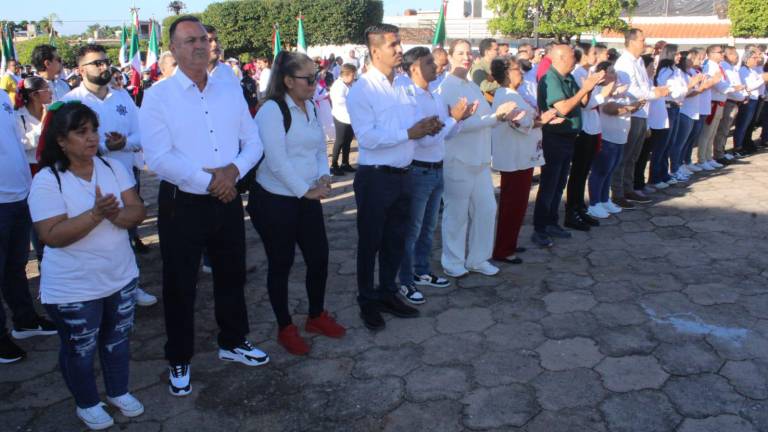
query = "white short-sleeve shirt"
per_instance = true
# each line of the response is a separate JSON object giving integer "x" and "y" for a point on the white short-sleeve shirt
{"x": 102, "y": 262}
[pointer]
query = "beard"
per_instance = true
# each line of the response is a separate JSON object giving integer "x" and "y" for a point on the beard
{"x": 101, "y": 79}
{"x": 525, "y": 65}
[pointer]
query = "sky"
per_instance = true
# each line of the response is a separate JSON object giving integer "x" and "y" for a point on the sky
{"x": 76, "y": 15}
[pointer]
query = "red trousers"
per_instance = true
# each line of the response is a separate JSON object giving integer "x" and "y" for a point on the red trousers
{"x": 513, "y": 202}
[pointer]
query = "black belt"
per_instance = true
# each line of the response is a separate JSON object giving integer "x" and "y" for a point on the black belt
{"x": 387, "y": 169}
{"x": 177, "y": 193}
{"x": 433, "y": 165}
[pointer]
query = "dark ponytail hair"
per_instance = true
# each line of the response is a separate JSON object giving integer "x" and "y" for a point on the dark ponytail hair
{"x": 287, "y": 63}
{"x": 27, "y": 86}
{"x": 499, "y": 67}
{"x": 59, "y": 122}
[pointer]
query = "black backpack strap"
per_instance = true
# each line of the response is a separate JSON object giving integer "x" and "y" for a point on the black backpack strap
{"x": 284, "y": 111}
{"x": 56, "y": 174}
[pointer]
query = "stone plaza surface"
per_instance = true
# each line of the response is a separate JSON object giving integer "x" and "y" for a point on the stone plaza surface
{"x": 655, "y": 321}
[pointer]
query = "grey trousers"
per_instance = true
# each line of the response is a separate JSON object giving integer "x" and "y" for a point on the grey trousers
{"x": 730, "y": 111}
{"x": 623, "y": 177}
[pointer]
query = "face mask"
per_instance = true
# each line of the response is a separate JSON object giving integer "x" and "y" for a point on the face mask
{"x": 525, "y": 65}
{"x": 101, "y": 79}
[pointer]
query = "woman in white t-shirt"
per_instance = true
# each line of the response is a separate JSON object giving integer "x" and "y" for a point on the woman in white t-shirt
{"x": 32, "y": 96}
{"x": 82, "y": 206}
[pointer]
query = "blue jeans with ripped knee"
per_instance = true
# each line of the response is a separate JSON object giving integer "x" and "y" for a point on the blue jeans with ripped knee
{"x": 102, "y": 325}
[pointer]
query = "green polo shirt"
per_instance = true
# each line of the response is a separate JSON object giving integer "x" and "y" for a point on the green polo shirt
{"x": 553, "y": 88}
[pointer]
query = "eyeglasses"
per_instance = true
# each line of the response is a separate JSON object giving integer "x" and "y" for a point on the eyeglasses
{"x": 311, "y": 79}
{"x": 99, "y": 63}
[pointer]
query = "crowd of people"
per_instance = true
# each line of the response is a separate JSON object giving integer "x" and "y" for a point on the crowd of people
{"x": 431, "y": 127}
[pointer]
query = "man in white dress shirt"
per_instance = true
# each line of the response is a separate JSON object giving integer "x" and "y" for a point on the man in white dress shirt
{"x": 713, "y": 69}
{"x": 48, "y": 64}
{"x": 440, "y": 56}
{"x": 735, "y": 100}
{"x": 199, "y": 137}
{"x": 216, "y": 68}
{"x": 630, "y": 71}
{"x": 118, "y": 119}
{"x": 386, "y": 121}
{"x": 426, "y": 175}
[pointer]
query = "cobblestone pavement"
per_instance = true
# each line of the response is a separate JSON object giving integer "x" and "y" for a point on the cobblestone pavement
{"x": 656, "y": 321}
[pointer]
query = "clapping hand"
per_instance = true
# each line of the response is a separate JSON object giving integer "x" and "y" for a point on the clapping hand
{"x": 593, "y": 79}
{"x": 424, "y": 127}
{"x": 504, "y": 109}
{"x": 222, "y": 185}
{"x": 608, "y": 88}
{"x": 550, "y": 117}
{"x": 114, "y": 141}
{"x": 105, "y": 206}
{"x": 463, "y": 110}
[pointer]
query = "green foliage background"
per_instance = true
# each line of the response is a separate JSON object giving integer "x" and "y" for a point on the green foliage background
{"x": 749, "y": 18}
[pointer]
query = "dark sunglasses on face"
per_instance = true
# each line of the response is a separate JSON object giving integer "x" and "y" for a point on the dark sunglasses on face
{"x": 311, "y": 79}
{"x": 99, "y": 63}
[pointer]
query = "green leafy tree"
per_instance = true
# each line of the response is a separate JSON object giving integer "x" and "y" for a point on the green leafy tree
{"x": 560, "y": 19}
{"x": 245, "y": 26}
{"x": 749, "y": 18}
{"x": 166, "y": 25}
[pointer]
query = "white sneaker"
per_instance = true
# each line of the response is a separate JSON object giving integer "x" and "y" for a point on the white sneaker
{"x": 207, "y": 269}
{"x": 246, "y": 354}
{"x": 671, "y": 181}
{"x": 144, "y": 298}
{"x": 693, "y": 168}
{"x": 715, "y": 164}
{"x": 729, "y": 156}
{"x": 485, "y": 268}
{"x": 179, "y": 380}
{"x": 705, "y": 166}
{"x": 456, "y": 272}
{"x": 597, "y": 211}
{"x": 681, "y": 177}
{"x": 610, "y": 207}
{"x": 687, "y": 171}
{"x": 661, "y": 185}
{"x": 95, "y": 417}
{"x": 412, "y": 294}
{"x": 127, "y": 404}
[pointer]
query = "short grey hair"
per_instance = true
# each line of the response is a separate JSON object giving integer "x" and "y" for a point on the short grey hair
{"x": 165, "y": 55}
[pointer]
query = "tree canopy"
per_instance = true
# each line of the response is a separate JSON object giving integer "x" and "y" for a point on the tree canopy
{"x": 560, "y": 19}
{"x": 246, "y": 26}
{"x": 749, "y": 18}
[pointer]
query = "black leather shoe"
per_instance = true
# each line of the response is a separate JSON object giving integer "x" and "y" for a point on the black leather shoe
{"x": 393, "y": 305}
{"x": 573, "y": 221}
{"x": 336, "y": 171}
{"x": 347, "y": 168}
{"x": 588, "y": 219}
{"x": 372, "y": 317}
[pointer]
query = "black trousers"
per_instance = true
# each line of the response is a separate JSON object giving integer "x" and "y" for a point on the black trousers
{"x": 583, "y": 153}
{"x": 641, "y": 166}
{"x": 383, "y": 206}
{"x": 284, "y": 222}
{"x": 343, "y": 143}
{"x": 187, "y": 224}
{"x": 558, "y": 153}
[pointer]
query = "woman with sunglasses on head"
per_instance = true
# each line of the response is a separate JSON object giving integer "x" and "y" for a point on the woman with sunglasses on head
{"x": 284, "y": 202}
{"x": 82, "y": 206}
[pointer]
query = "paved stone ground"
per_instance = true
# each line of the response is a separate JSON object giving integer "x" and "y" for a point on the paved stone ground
{"x": 656, "y": 321}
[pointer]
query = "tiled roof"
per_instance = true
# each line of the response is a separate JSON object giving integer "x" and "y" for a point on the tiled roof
{"x": 680, "y": 31}
{"x": 416, "y": 35}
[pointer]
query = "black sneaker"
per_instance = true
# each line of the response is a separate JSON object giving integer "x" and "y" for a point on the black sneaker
{"x": 557, "y": 231}
{"x": 588, "y": 219}
{"x": 410, "y": 293}
{"x": 431, "y": 280}
{"x": 574, "y": 221}
{"x": 139, "y": 247}
{"x": 179, "y": 380}
{"x": 372, "y": 317}
{"x": 348, "y": 168}
{"x": 9, "y": 351}
{"x": 542, "y": 239}
{"x": 393, "y": 305}
{"x": 338, "y": 172}
{"x": 39, "y": 327}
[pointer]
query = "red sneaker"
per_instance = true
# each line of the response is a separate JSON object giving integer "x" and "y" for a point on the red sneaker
{"x": 325, "y": 325}
{"x": 290, "y": 339}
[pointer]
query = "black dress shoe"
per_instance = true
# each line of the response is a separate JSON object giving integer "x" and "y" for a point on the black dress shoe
{"x": 371, "y": 317}
{"x": 347, "y": 168}
{"x": 393, "y": 305}
{"x": 139, "y": 246}
{"x": 336, "y": 171}
{"x": 575, "y": 222}
{"x": 587, "y": 218}
{"x": 723, "y": 161}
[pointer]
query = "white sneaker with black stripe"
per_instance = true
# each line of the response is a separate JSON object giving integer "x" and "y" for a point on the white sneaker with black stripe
{"x": 179, "y": 380}
{"x": 412, "y": 294}
{"x": 245, "y": 353}
{"x": 431, "y": 280}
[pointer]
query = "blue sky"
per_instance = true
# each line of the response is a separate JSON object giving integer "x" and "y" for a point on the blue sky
{"x": 76, "y": 15}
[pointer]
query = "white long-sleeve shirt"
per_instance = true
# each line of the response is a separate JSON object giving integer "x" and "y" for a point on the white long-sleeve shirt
{"x": 516, "y": 148}
{"x": 117, "y": 113}
{"x": 293, "y": 161}
{"x": 381, "y": 115}
{"x": 184, "y": 130}
{"x": 15, "y": 177}
{"x": 338, "y": 93}
{"x": 590, "y": 117}
{"x": 30, "y": 129}
{"x": 473, "y": 144}
{"x": 753, "y": 81}
{"x": 690, "y": 105}
{"x": 431, "y": 148}
{"x": 631, "y": 71}
{"x": 657, "y": 112}
{"x": 721, "y": 88}
{"x": 734, "y": 79}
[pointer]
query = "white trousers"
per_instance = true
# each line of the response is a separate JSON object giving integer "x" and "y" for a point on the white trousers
{"x": 469, "y": 204}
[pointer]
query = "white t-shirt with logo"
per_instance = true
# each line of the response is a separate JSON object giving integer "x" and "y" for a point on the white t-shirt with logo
{"x": 102, "y": 262}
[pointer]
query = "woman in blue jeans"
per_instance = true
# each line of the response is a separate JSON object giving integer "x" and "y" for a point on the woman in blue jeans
{"x": 753, "y": 80}
{"x": 689, "y": 114}
{"x": 82, "y": 206}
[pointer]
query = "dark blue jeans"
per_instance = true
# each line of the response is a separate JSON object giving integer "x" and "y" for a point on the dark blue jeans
{"x": 15, "y": 226}
{"x": 662, "y": 139}
{"x": 677, "y": 146}
{"x": 84, "y": 327}
{"x": 603, "y": 165}
{"x": 426, "y": 186}
{"x": 698, "y": 125}
{"x": 558, "y": 153}
{"x": 743, "y": 120}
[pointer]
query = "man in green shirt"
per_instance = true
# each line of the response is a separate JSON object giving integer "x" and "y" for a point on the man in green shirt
{"x": 481, "y": 70}
{"x": 559, "y": 90}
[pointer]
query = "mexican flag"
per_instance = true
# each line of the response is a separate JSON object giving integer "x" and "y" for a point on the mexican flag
{"x": 134, "y": 56}
{"x": 439, "y": 38}
{"x": 277, "y": 44}
{"x": 301, "y": 43}
{"x": 9, "y": 51}
{"x": 123, "y": 47}
{"x": 153, "y": 53}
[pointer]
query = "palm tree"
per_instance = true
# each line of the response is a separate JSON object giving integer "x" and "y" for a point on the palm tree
{"x": 176, "y": 7}
{"x": 46, "y": 24}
